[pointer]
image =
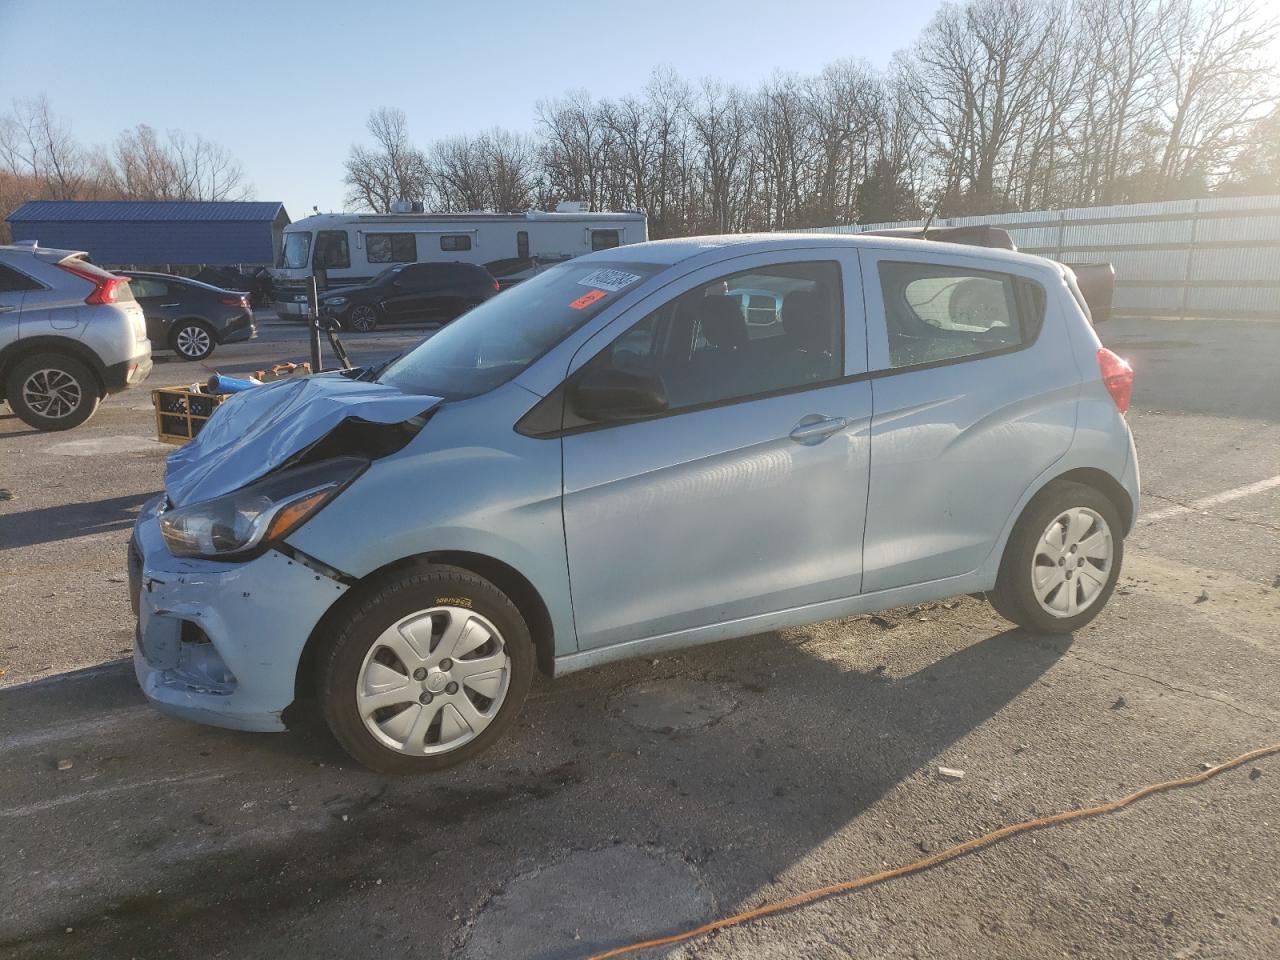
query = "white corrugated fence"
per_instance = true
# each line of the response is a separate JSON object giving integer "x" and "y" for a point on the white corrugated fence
{"x": 1216, "y": 257}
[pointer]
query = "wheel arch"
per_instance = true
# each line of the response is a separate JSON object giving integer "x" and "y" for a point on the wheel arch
{"x": 22, "y": 348}
{"x": 502, "y": 575}
{"x": 1101, "y": 481}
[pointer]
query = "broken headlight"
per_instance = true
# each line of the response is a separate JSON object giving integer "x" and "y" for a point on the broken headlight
{"x": 247, "y": 521}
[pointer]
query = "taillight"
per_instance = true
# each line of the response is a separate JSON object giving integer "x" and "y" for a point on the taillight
{"x": 234, "y": 302}
{"x": 106, "y": 288}
{"x": 1117, "y": 377}
{"x": 497, "y": 287}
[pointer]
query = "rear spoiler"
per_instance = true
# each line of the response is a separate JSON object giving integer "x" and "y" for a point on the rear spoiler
{"x": 1096, "y": 282}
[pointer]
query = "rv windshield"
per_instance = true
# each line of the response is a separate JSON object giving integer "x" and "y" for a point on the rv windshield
{"x": 297, "y": 251}
{"x": 489, "y": 345}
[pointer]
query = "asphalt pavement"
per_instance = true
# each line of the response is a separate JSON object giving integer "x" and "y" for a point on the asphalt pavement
{"x": 639, "y": 798}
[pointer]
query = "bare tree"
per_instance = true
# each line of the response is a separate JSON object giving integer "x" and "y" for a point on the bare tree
{"x": 142, "y": 166}
{"x": 392, "y": 169}
{"x": 35, "y": 145}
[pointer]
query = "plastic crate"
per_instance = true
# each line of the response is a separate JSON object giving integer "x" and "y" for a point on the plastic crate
{"x": 182, "y": 412}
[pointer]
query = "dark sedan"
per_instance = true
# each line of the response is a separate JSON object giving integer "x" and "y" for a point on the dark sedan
{"x": 410, "y": 291}
{"x": 190, "y": 317}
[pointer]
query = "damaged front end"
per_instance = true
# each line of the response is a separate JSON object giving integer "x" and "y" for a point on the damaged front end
{"x": 224, "y": 606}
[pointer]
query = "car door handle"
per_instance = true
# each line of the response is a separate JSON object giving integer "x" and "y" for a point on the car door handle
{"x": 815, "y": 428}
{"x": 168, "y": 304}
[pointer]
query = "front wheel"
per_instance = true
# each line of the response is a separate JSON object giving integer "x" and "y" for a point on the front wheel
{"x": 364, "y": 318}
{"x": 1062, "y": 560}
{"x": 427, "y": 671}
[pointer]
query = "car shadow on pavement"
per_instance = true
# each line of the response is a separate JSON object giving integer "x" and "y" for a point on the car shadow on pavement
{"x": 816, "y": 737}
{"x": 50, "y": 524}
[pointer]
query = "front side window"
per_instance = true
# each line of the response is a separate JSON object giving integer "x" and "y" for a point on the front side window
{"x": 762, "y": 330}
{"x": 332, "y": 250}
{"x": 296, "y": 253}
{"x": 495, "y": 341}
{"x": 391, "y": 247}
{"x": 936, "y": 313}
{"x": 604, "y": 239}
{"x": 455, "y": 241}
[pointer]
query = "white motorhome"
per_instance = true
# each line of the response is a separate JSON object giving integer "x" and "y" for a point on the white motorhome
{"x": 340, "y": 249}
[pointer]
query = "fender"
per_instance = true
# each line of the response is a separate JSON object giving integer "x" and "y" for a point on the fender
{"x": 54, "y": 344}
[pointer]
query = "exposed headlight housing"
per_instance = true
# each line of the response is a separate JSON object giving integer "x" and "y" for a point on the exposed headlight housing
{"x": 246, "y": 522}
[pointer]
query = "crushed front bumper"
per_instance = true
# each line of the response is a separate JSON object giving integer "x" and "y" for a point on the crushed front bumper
{"x": 218, "y": 642}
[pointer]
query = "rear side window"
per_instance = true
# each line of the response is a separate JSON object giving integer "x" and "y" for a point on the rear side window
{"x": 936, "y": 313}
{"x": 12, "y": 281}
{"x": 144, "y": 287}
{"x": 391, "y": 247}
{"x": 604, "y": 239}
{"x": 455, "y": 241}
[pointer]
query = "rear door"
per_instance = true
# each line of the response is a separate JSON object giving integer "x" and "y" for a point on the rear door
{"x": 13, "y": 289}
{"x": 408, "y": 293}
{"x": 158, "y": 304}
{"x": 974, "y": 392}
{"x": 747, "y": 496}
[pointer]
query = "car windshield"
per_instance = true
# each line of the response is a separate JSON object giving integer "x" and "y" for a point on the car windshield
{"x": 495, "y": 341}
{"x": 297, "y": 250}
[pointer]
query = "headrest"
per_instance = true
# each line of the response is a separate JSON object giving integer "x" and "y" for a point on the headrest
{"x": 723, "y": 323}
{"x": 806, "y": 320}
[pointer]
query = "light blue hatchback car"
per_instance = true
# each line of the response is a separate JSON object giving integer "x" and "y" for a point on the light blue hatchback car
{"x": 615, "y": 459}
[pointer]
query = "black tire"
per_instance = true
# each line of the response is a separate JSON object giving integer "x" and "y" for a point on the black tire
{"x": 192, "y": 340}
{"x": 363, "y": 318}
{"x": 73, "y": 399}
{"x": 1014, "y": 597}
{"x": 354, "y": 636}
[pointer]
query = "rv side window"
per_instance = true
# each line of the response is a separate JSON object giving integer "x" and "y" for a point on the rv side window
{"x": 332, "y": 251}
{"x": 455, "y": 241}
{"x": 604, "y": 239}
{"x": 522, "y": 244}
{"x": 391, "y": 247}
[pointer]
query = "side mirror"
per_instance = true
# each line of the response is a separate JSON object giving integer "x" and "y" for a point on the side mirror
{"x": 608, "y": 394}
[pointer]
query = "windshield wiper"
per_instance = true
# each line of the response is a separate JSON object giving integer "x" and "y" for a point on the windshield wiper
{"x": 371, "y": 373}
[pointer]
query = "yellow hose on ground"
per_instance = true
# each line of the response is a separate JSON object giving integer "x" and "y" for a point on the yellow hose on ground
{"x": 950, "y": 853}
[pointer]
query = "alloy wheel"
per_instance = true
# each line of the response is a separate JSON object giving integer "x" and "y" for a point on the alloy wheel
{"x": 364, "y": 318}
{"x": 52, "y": 393}
{"x": 433, "y": 681}
{"x": 193, "y": 342}
{"x": 1072, "y": 562}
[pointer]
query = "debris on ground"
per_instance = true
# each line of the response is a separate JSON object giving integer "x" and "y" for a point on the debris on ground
{"x": 65, "y": 764}
{"x": 1204, "y": 595}
{"x": 6, "y": 493}
{"x": 882, "y": 623}
{"x": 1255, "y": 774}
{"x": 1120, "y": 703}
{"x": 1206, "y": 765}
{"x": 950, "y": 773}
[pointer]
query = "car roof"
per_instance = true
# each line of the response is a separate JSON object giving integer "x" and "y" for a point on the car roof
{"x": 677, "y": 250}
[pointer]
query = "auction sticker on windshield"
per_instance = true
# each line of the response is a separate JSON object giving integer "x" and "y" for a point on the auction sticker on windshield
{"x": 611, "y": 280}
{"x": 587, "y": 299}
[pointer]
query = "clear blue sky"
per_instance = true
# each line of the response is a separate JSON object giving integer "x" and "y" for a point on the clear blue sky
{"x": 286, "y": 86}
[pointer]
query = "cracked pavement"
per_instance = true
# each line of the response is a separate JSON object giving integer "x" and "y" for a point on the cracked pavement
{"x": 799, "y": 758}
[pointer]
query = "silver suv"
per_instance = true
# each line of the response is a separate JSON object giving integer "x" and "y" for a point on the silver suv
{"x": 70, "y": 333}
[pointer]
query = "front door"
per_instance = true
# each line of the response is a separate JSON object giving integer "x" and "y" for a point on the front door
{"x": 158, "y": 303}
{"x": 972, "y": 404}
{"x": 747, "y": 496}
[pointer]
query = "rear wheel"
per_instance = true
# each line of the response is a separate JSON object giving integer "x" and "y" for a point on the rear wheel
{"x": 428, "y": 671}
{"x": 52, "y": 391}
{"x": 192, "y": 340}
{"x": 1062, "y": 560}
{"x": 363, "y": 318}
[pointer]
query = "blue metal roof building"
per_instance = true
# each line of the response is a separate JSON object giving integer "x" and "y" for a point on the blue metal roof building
{"x": 121, "y": 233}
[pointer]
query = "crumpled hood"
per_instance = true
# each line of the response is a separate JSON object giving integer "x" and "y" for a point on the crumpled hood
{"x": 253, "y": 432}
